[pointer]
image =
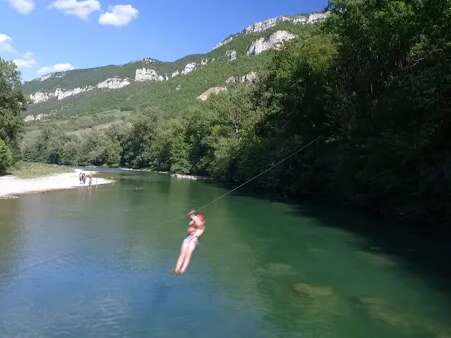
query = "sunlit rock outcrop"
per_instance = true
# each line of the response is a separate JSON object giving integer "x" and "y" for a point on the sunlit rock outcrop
{"x": 231, "y": 80}
{"x": 262, "y": 26}
{"x": 190, "y": 67}
{"x": 147, "y": 74}
{"x": 28, "y": 118}
{"x": 224, "y": 42}
{"x": 274, "y": 41}
{"x": 39, "y": 97}
{"x": 231, "y": 54}
{"x": 251, "y": 77}
{"x": 62, "y": 94}
{"x": 38, "y": 117}
{"x": 59, "y": 94}
{"x": 45, "y": 77}
{"x": 113, "y": 83}
{"x": 212, "y": 91}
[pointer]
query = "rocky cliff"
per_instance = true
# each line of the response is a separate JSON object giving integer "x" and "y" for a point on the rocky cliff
{"x": 238, "y": 58}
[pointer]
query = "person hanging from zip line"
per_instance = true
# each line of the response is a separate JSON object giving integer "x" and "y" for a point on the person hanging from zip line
{"x": 196, "y": 228}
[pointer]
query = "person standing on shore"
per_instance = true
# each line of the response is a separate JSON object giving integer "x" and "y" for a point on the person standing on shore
{"x": 80, "y": 177}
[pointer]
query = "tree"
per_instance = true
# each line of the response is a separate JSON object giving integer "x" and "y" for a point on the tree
{"x": 137, "y": 152}
{"x": 12, "y": 103}
{"x": 6, "y": 158}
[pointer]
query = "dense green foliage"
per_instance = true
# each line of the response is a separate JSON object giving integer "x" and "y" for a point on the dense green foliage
{"x": 374, "y": 82}
{"x": 12, "y": 103}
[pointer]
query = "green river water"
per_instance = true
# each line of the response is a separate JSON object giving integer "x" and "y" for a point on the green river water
{"x": 97, "y": 263}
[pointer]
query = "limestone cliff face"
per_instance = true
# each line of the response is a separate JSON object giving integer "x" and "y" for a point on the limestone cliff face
{"x": 190, "y": 67}
{"x": 225, "y": 42}
{"x": 113, "y": 83}
{"x": 62, "y": 94}
{"x": 274, "y": 41}
{"x": 298, "y": 19}
{"x": 248, "y": 78}
{"x": 147, "y": 74}
{"x": 212, "y": 91}
{"x": 39, "y": 97}
{"x": 59, "y": 94}
{"x": 147, "y": 69}
{"x": 231, "y": 55}
{"x": 262, "y": 26}
{"x": 251, "y": 77}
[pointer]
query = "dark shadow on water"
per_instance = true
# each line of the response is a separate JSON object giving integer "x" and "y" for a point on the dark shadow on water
{"x": 422, "y": 249}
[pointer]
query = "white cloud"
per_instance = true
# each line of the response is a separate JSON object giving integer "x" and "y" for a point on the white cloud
{"x": 5, "y": 44}
{"x": 119, "y": 15}
{"x": 80, "y": 8}
{"x": 25, "y": 61}
{"x": 59, "y": 67}
{"x": 22, "y": 6}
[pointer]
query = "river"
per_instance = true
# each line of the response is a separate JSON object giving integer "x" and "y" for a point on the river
{"x": 97, "y": 263}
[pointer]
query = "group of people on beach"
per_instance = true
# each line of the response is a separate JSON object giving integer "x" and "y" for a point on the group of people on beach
{"x": 83, "y": 176}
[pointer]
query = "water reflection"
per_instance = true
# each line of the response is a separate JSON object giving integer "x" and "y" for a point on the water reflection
{"x": 263, "y": 269}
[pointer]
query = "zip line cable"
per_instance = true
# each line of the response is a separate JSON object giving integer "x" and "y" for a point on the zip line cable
{"x": 72, "y": 252}
{"x": 260, "y": 174}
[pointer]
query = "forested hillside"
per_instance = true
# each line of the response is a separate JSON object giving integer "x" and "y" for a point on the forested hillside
{"x": 373, "y": 81}
{"x": 78, "y": 92}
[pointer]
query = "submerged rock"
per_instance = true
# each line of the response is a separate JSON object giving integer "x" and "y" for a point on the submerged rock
{"x": 277, "y": 269}
{"x": 400, "y": 317}
{"x": 313, "y": 291}
{"x": 380, "y": 309}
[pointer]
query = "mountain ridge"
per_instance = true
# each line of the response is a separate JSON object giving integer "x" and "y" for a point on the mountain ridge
{"x": 257, "y": 27}
{"x": 170, "y": 87}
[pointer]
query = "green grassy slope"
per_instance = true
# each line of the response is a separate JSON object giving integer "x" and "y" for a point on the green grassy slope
{"x": 168, "y": 98}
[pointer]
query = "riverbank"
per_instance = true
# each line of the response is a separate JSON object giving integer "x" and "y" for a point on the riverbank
{"x": 11, "y": 186}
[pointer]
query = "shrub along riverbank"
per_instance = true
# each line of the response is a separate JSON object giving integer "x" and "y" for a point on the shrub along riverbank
{"x": 374, "y": 81}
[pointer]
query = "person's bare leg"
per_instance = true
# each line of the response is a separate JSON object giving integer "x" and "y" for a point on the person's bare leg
{"x": 181, "y": 259}
{"x": 187, "y": 258}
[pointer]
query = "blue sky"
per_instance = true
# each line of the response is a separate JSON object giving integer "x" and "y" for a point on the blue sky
{"x": 47, "y": 35}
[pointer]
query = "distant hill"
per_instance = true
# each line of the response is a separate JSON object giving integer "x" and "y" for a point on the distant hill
{"x": 165, "y": 87}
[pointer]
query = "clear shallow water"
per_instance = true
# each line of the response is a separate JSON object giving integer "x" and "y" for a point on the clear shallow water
{"x": 96, "y": 264}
